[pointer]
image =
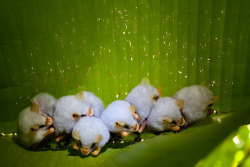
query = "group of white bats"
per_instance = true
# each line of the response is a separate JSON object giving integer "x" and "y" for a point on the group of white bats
{"x": 85, "y": 118}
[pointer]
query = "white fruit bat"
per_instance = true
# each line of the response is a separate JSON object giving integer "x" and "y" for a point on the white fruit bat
{"x": 33, "y": 126}
{"x": 67, "y": 113}
{"x": 90, "y": 135}
{"x": 196, "y": 99}
{"x": 166, "y": 115}
{"x": 143, "y": 98}
{"x": 120, "y": 117}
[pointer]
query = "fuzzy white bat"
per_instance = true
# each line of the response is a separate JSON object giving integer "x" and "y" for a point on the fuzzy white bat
{"x": 46, "y": 103}
{"x": 166, "y": 115}
{"x": 90, "y": 135}
{"x": 196, "y": 99}
{"x": 33, "y": 127}
{"x": 68, "y": 111}
{"x": 95, "y": 103}
{"x": 143, "y": 98}
{"x": 119, "y": 117}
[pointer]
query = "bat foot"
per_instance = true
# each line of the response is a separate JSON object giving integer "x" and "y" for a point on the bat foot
{"x": 74, "y": 145}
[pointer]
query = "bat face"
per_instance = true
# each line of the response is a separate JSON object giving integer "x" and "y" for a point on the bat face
{"x": 46, "y": 103}
{"x": 90, "y": 135}
{"x": 120, "y": 116}
{"x": 68, "y": 111}
{"x": 33, "y": 127}
{"x": 122, "y": 126}
{"x": 166, "y": 115}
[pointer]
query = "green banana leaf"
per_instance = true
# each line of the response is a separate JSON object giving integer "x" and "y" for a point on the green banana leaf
{"x": 107, "y": 47}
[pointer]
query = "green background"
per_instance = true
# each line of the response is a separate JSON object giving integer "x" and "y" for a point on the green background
{"x": 107, "y": 47}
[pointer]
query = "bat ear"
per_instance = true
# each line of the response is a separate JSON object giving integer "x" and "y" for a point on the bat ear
{"x": 98, "y": 138}
{"x": 32, "y": 101}
{"x": 132, "y": 109}
{"x": 76, "y": 134}
{"x": 181, "y": 121}
{"x": 80, "y": 96}
{"x": 119, "y": 124}
{"x": 205, "y": 84}
{"x": 211, "y": 102}
{"x": 180, "y": 103}
{"x": 166, "y": 120}
{"x": 34, "y": 108}
{"x": 75, "y": 116}
{"x": 135, "y": 128}
{"x": 159, "y": 90}
{"x": 215, "y": 98}
{"x": 91, "y": 112}
{"x": 145, "y": 80}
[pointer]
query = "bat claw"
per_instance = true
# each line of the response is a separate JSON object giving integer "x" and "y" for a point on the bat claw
{"x": 74, "y": 145}
{"x": 51, "y": 130}
{"x": 143, "y": 125}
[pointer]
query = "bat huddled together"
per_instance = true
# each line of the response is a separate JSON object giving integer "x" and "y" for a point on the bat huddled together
{"x": 84, "y": 117}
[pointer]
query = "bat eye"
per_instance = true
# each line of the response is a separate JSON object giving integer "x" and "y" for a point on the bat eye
{"x": 32, "y": 129}
{"x": 41, "y": 126}
{"x": 126, "y": 126}
{"x": 156, "y": 97}
{"x": 93, "y": 145}
{"x": 174, "y": 122}
{"x": 75, "y": 116}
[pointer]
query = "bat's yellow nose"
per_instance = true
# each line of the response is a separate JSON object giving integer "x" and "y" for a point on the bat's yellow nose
{"x": 85, "y": 151}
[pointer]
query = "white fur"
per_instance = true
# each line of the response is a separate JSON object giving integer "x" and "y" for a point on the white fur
{"x": 195, "y": 99}
{"x": 89, "y": 128}
{"x": 95, "y": 102}
{"x": 118, "y": 111}
{"x": 46, "y": 103}
{"x": 142, "y": 97}
{"x": 65, "y": 107}
{"x": 26, "y": 120}
{"x": 164, "y": 107}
